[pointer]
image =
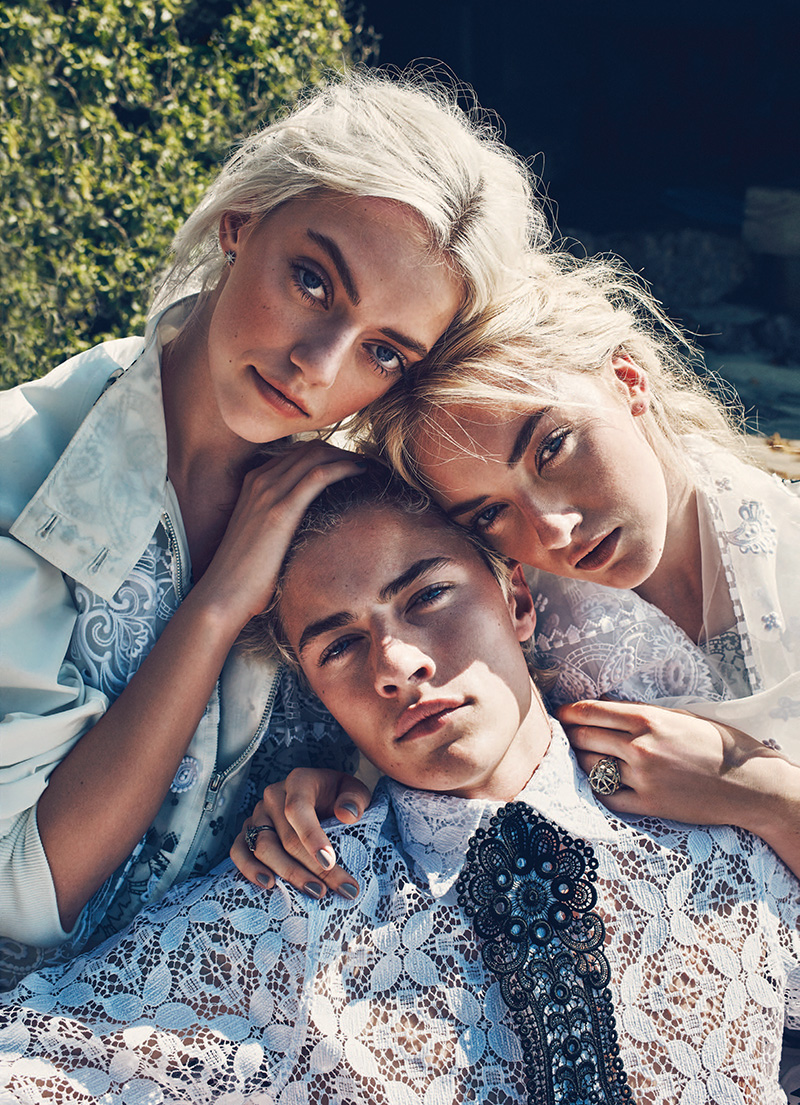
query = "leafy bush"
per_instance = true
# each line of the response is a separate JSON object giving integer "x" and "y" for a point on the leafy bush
{"x": 114, "y": 116}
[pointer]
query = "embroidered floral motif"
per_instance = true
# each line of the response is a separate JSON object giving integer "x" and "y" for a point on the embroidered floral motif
{"x": 529, "y": 888}
{"x": 786, "y": 708}
{"x": 771, "y": 621}
{"x": 186, "y": 776}
{"x": 756, "y": 534}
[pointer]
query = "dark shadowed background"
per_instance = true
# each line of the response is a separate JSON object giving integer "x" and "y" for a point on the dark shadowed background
{"x": 664, "y": 130}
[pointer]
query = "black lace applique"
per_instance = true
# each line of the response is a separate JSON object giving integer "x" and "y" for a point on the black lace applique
{"x": 529, "y": 888}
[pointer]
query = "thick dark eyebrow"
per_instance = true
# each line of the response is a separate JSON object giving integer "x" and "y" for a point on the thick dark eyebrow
{"x": 324, "y": 625}
{"x": 339, "y": 263}
{"x": 403, "y": 339}
{"x": 523, "y": 438}
{"x": 344, "y": 618}
{"x": 406, "y": 578}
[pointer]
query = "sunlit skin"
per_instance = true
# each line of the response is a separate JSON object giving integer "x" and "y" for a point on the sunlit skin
{"x": 573, "y": 487}
{"x": 407, "y": 638}
{"x": 328, "y": 302}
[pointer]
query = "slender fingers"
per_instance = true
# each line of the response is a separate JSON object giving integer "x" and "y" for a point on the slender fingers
{"x": 306, "y": 859}
{"x": 269, "y": 858}
{"x": 250, "y": 866}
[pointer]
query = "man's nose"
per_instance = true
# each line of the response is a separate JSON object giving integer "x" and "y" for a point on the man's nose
{"x": 398, "y": 664}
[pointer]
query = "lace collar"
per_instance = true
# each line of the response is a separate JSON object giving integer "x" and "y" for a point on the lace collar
{"x": 436, "y": 828}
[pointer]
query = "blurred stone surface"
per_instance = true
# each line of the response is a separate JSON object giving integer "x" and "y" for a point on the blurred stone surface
{"x": 778, "y": 455}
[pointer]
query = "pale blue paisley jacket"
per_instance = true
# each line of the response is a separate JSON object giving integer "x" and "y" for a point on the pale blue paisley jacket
{"x": 84, "y": 489}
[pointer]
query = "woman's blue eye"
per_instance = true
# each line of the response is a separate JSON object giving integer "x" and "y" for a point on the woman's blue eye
{"x": 310, "y": 283}
{"x": 386, "y": 360}
{"x": 486, "y": 518}
{"x": 552, "y": 446}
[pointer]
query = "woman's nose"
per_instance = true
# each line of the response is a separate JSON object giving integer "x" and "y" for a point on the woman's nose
{"x": 554, "y": 525}
{"x": 320, "y": 356}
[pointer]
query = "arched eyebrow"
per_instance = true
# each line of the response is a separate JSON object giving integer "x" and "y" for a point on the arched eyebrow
{"x": 339, "y": 262}
{"x": 524, "y": 435}
{"x": 343, "y": 618}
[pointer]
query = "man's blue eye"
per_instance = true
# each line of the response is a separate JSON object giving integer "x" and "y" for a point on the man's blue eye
{"x": 335, "y": 650}
{"x": 431, "y": 594}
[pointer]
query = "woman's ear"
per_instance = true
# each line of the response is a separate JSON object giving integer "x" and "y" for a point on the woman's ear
{"x": 231, "y": 226}
{"x": 520, "y": 605}
{"x": 634, "y": 383}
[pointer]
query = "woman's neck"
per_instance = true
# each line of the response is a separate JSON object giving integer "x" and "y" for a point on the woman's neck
{"x": 676, "y": 586}
{"x": 206, "y": 462}
{"x": 196, "y": 433}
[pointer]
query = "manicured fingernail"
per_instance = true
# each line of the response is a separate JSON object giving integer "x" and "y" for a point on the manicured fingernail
{"x": 351, "y": 807}
{"x": 264, "y": 879}
{"x": 348, "y": 890}
{"x": 313, "y": 889}
{"x": 326, "y": 857}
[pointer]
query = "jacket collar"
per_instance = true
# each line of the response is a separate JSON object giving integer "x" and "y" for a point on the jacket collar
{"x": 98, "y": 508}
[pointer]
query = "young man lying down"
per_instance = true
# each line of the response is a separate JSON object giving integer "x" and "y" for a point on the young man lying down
{"x": 512, "y": 940}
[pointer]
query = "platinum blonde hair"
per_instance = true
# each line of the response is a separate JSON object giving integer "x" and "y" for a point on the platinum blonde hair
{"x": 378, "y": 488}
{"x": 368, "y": 133}
{"x": 568, "y": 317}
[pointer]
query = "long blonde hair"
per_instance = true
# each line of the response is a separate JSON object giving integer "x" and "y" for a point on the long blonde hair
{"x": 400, "y": 137}
{"x": 568, "y": 316}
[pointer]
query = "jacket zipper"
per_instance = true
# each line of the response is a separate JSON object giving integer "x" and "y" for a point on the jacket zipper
{"x": 175, "y": 549}
{"x": 219, "y": 777}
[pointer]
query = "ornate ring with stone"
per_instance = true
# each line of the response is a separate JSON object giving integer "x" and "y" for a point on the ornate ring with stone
{"x": 251, "y": 834}
{"x": 605, "y": 778}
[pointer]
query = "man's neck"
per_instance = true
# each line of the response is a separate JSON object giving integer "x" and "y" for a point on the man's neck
{"x": 524, "y": 755}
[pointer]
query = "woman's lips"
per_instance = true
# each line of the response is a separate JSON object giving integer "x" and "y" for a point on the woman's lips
{"x": 600, "y": 554}
{"x": 278, "y": 399}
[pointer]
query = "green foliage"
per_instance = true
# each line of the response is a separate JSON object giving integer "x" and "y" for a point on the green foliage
{"x": 114, "y": 116}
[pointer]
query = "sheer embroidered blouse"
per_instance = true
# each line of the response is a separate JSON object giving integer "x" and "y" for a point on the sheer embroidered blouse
{"x": 222, "y": 993}
{"x": 603, "y": 641}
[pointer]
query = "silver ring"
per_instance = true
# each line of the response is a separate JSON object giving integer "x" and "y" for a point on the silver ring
{"x": 251, "y": 834}
{"x": 605, "y": 778}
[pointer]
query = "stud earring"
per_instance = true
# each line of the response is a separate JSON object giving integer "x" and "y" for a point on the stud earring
{"x": 230, "y": 257}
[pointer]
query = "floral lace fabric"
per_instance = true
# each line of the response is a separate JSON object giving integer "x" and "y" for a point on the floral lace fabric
{"x": 221, "y": 993}
{"x": 603, "y": 642}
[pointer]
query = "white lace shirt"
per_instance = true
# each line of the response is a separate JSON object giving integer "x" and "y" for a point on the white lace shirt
{"x": 223, "y": 993}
